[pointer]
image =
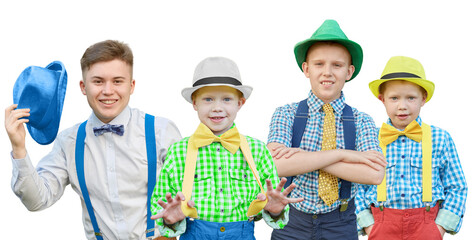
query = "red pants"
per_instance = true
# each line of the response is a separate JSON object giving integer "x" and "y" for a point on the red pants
{"x": 411, "y": 224}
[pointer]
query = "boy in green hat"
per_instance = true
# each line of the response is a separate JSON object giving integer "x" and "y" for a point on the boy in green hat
{"x": 424, "y": 192}
{"x": 325, "y": 172}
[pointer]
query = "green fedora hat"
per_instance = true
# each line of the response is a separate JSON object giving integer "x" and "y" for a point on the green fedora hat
{"x": 330, "y": 31}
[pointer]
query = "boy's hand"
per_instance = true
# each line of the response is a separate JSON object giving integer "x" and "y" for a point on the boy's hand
{"x": 373, "y": 159}
{"x": 15, "y": 129}
{"x": 368, "y": 230}
{"x": 281, "y": 150}
{"x": 172, "y": 211}
{"x": 277, "y": 200}
{"x": 442, "y": 230}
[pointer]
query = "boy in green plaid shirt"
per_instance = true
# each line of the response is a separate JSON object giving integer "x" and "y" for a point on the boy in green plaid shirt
{"x": 227, "y": 191}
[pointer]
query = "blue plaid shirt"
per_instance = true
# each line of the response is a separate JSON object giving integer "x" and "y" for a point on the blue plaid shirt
{"x": 404, "y": 181}
{"x": 281, "y": 132}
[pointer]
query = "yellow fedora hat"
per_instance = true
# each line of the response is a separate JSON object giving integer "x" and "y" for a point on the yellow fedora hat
{"x": 407, "y": 69}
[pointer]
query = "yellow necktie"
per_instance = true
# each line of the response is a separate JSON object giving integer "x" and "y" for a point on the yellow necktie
{"x": 231, "y": 140}
{"x": 328, "y": 184}
{"x": 388, "y": 134}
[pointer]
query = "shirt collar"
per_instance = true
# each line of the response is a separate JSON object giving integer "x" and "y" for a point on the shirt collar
{"x": 315, "y": 104}
{"x": 122, "y": 119}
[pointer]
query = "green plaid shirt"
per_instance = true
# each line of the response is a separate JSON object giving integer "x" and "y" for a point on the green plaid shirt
{"x": 224, "y": 185}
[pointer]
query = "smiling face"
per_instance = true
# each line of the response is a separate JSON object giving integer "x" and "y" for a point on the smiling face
{"x": 217, "y": 107}
{"x": 328, "y": 67}
{"x": 403, "y": 101}
{"x": 108, "y": 86}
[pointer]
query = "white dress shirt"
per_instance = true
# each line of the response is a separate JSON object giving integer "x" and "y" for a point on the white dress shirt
{"x": 115, "y": 171}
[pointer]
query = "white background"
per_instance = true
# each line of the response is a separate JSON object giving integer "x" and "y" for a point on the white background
{"x": 169, "y": 38}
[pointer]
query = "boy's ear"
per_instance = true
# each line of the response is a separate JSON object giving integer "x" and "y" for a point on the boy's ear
{"x": 380, "y": 97}
{"x": 194, "y": 104}
{"x": 424, "y": 99}
{"x": 305, "y": 69}
{"x": 82, "y": 85}
{"x": 241, "y": 101}
{"x": 350, "y": 72}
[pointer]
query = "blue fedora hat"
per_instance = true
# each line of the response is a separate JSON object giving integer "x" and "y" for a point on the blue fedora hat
{"x": 42, "y": 90}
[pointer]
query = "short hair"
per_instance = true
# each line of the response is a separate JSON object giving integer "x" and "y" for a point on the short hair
{"x": 105, "y": 51}
{"x": 330, "y": 43}
{"x": 383, "y": 87}
{"x": 195, "y": 93}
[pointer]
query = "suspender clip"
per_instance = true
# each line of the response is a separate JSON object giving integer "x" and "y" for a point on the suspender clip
{"x": 427, "y": 206}
{"x": 343, "y": 205}
{"x": 381, "y": 206}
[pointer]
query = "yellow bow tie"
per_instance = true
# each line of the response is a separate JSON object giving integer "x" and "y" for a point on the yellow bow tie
{"x": 388, "y": 134}
{"x": 230, "y": 140}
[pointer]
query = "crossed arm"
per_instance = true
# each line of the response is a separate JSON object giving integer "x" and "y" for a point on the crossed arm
{"x": 359, "y": 167}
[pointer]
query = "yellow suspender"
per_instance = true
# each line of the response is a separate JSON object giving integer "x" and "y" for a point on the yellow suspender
{"x": 190, "y": 165}
{"x": 426, "y": 171}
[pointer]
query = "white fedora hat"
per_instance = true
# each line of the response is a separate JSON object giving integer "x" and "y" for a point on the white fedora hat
{"x": 216, "y": 71}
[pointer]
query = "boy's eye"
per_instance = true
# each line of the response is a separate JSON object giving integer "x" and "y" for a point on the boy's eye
{"x": 227, "y": 99}
{"x": 207, "y": 99}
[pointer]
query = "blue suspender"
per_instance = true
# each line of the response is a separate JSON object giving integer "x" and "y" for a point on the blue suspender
{"x": 152, "y": 168}
{"x": 349, "y": 141}
{"x": 152, "y": 171}
{"x": 299, "y": 125}
{"x": 79, "y": 156}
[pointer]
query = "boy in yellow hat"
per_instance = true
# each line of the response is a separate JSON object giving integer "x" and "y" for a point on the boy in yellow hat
{"x": 218, "y": 170}
{"x": 423, "y": 194}
{"x": 313, "y": 150}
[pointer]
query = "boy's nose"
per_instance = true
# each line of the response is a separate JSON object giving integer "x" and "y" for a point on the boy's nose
{"x": 108, "y": 88}
{"x": 327, "y": 70}
{"x": 402, "y": 104}
{"x": 217, "y": 107}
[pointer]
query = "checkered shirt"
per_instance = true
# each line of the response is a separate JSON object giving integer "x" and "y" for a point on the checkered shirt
{"x": 404, "y": 180}
{"x": 280, "y": 131}
{"x": 224, "y": 185}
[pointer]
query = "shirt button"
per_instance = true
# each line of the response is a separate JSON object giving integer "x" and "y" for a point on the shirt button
{"x": 314, "y": 216}
{"x": 403, "y": 140}
{"x": 219, "y": 168}
{"x": 221, "y": 190}
{"x": 403, "y": 195}
{"x": 402, "y": 176}
{"x": 222, "y": 210}
{"x": 245, "y": 176}
{"x": 403, "y": 156}
{"x": 222, "y": 229}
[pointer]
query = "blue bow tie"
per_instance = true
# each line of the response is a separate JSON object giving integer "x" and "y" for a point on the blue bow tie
{"x": 117, "y": 129}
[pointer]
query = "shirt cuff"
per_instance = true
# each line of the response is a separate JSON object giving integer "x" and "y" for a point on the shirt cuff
{"x": 280, "y": 221}
{"x": 448, "y": 220}
{"x": 364, "y": 219}
{"x": 174, "y": 230}
{"x": 22, "y": 166}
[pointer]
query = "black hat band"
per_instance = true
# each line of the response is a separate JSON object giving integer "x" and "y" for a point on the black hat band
{"x": 400, "y": 75}
{"x": 214, "y": 80}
